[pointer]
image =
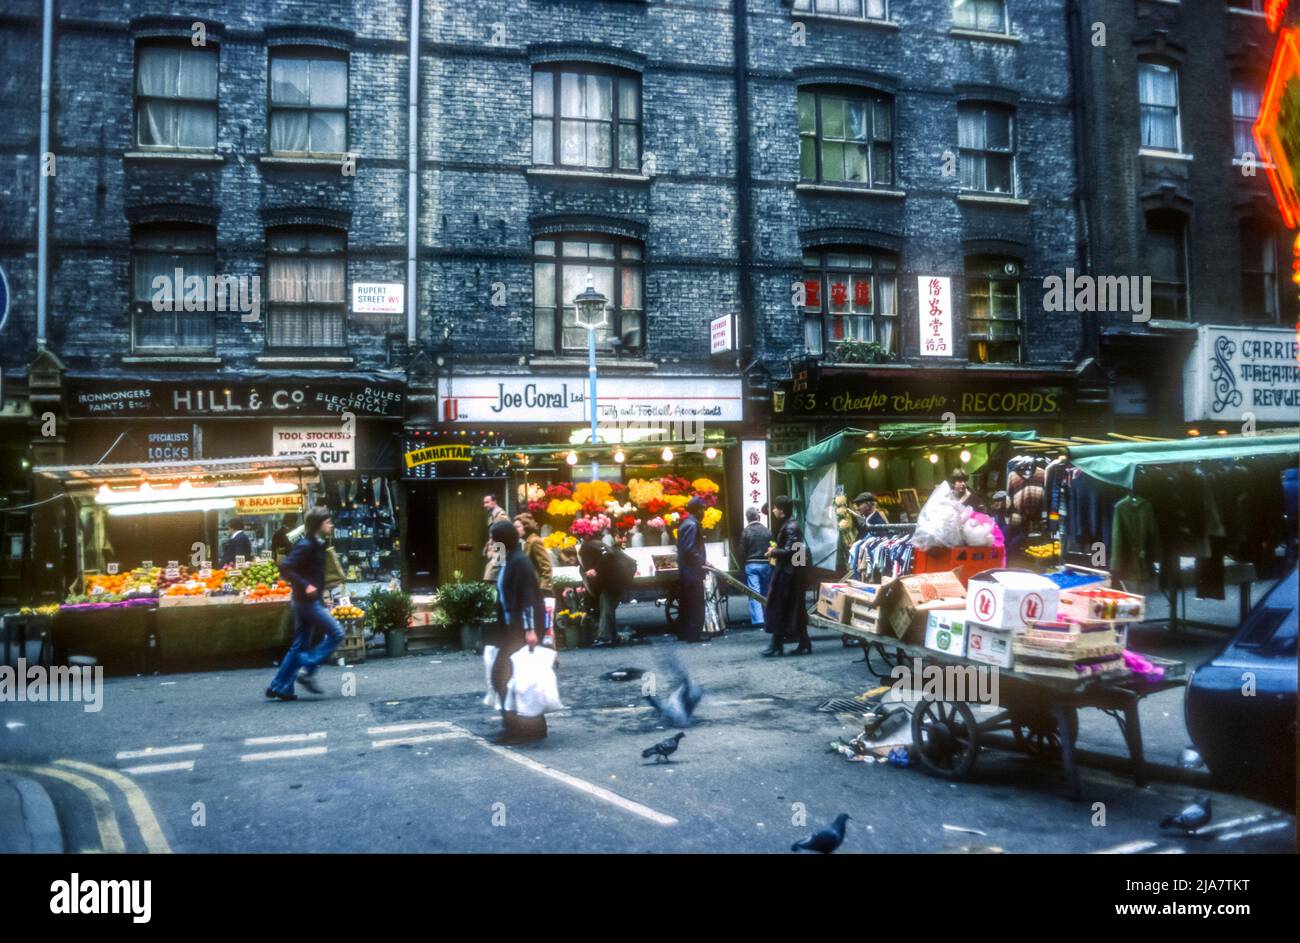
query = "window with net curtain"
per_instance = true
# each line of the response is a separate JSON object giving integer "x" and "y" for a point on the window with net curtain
{"x": 587, "y": 118}
{"x": 993, "y": 327}
{"x": 309, "y": 102}
{"x": 864, "y": 9}
{"x": 1166, "y": 259}
{"x": 1245, "y": 109}
{"x": 158, "y": 251}
{"x": 307, "y": 294}
{"x": 846, "y": 137}
{"x": 1158, "y": 102}
{"x": 560, "y": 268}
{"x": 986, "y": 138}
{"x": 1259, "y": 271}
{"x": 850, "y": 294}
{"x": 176, "y": 96}
{"x": 987, "y": 16}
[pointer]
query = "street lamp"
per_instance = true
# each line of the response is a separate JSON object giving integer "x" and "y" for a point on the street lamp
{"x": 590, "y": 307}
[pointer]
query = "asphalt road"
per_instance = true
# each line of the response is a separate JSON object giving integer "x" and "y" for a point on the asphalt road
{"x": 203, "y": 763}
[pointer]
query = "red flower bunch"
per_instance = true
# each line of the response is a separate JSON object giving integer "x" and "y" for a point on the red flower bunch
{"x": 558, "y": 492}
{"x": 656, "y": 506}
{"x": 625, "y": 523}
{"x": 675, "y": 484}
{"x": 617, "y": 488}
{"x": 593, "y": 507}
{"x": 537, "y": 507}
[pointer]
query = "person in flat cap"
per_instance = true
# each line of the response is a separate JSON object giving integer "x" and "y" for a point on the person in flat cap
{"x": 867, "y": 513}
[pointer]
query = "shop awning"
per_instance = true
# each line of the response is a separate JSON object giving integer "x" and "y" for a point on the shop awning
{"x": 1117, "y": 463}
{"x": 847, "y": 441}
{"x": 300, "y": 468}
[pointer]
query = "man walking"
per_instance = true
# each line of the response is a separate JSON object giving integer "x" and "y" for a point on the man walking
{"x": 755, "y": 541}
{"x": 494, "y": 559}
{"x": 787, "y": 619}
{"x": 304, "y": 569}
{"x": 237, "y": 545}
{"x": 690, "y": 573}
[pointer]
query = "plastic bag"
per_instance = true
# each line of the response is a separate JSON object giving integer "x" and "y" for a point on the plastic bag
{"x": 533, "y": 689}
{"x": 940, "y": 522}
{"x": 490, "y": 699}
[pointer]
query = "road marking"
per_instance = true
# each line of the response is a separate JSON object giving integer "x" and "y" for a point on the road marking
{"x": 425, "y": 738}
{"x": 1170, "y": 851}
{"x": 186, "y": 765}
{"x": 158, "y": 751}
{"x": 1128, "y": 848}
{"x": 283, "y": 754}
{"x": 286, "y": 738}
{"x": 145, "y": 821}
{"x": 1231, "y": 823}
{"x": 110, "y": 836}
{"x": 403, "y": 728}
{"x": 1257, "y": 830}
{"x": 598, "y": 792}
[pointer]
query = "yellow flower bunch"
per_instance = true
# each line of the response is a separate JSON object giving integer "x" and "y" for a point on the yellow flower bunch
{"x": 711, "y": 518}
{"x": 704, "y": 485}
{"x": 677, "y": 500}
{"x": 558, "y": 540}
{"x": 563, "y": 507}
{"x": 598, "y": 491}
{"x": 642, "y": 492}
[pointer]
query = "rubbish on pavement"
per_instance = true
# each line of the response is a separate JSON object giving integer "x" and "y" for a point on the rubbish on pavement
{"x": 899, "y": 757}
{"x": 964, "y": 830}
{"x": 624, "y": 674}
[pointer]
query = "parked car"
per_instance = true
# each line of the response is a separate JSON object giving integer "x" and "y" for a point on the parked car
{"x": 1249, "y": 738}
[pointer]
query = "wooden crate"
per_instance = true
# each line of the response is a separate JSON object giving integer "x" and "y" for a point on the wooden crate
{"x": 353, "y": 646}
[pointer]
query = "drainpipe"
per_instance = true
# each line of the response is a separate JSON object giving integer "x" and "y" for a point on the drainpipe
{"x": 412, "y": 168}
{"x": 42, "y": 181}
{"x": 1080, "y": 51}
{"x": 745, "y": 327}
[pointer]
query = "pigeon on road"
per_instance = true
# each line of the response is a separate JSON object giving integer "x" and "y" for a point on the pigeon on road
{"x": 678, "y": 709}
{"x": 1192, "y": 817}
{"x": 663, "y": 749}
{"x": 826, "y": 840}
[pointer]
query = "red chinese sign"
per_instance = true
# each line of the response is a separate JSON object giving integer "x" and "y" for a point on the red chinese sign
{"x": 934, "y": 296}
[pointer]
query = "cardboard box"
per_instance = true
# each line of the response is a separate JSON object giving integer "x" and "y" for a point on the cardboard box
{"x": 908, "y": 601}
{"x": 989, "y": 645}
{"x": 946, "y": 632}
{"x": 1086, "y": 603}
{"x": 1011, "y": 599}
{"x": 830, "y": 602}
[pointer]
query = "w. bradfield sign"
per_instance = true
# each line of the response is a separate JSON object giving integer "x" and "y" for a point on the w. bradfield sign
{"x": 1233, "y": 371}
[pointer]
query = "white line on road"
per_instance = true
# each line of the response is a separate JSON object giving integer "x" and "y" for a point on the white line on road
{"x": 283, "y": 754}
{"x": 403, "y": 728}
{"x": 1257, "y": 830}
{"x": 158, "y": 751}
{"x": 1231, "y": 823}
{"x": 1170, "y": 851}
{"x": 186, "y": 765}
{"x": 1128, "y": 848}
{"x": 285, "y": 738}
{"x": 425, "y": 738}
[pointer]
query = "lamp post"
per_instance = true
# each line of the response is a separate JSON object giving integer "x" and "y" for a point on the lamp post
{"x": 590, "y": 307}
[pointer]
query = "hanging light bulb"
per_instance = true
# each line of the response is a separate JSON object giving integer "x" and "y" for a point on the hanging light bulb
{"x": 619, "y": 457}
{"x": 873, "y": 462}
{"x": 184, "y": 486}
{"x": 572, "y": 457}
{"x": 104, "y": 491}
{"x": 965, "y": 456}
{"x": 146, "y": 488}
{"x": 269, "y": 481}
{"x": 710, "y": 453}
{"x": 934, "y": 458}
{"x": 667, "y": 455}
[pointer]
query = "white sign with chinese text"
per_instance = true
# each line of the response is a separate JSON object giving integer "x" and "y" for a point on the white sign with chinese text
{"x": 753, "y": 472}
{"x": 1233, "y": 371}
{"x": 934, "y": 315}
{"x": 370, "y": 298}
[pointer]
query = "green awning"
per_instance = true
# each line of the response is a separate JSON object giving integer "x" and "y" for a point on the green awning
{"x": 847, "y": 441}
{"x": 1117, "y": 464}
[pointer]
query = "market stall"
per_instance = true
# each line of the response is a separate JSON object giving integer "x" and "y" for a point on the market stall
{"x": 150, "y": 589}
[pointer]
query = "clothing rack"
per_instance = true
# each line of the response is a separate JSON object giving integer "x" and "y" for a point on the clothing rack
{"x": 888, "y": 528}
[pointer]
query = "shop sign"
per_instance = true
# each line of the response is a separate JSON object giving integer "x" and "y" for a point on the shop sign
{"x": 722, "y": 334}
{"x": 1277, "y": 129}
{"x": 437, "y": 453}
{"x": 94, "y": 397}
{"x": 934, "y": 299}
{"x": 533, "y": 399}
{"x": 753, "y": 470}
{"x": 911, "y": 396}
{"x": 368, "y": 298}
{"x": 1236, "y": 371}
{"x": 787, "y": 438}
{"x": 333, "y": 447}
{"x": 269, "y": 504}
{"x": 169, "y": 446}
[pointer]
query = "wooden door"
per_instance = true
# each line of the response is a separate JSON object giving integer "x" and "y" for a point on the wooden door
{"x": 462, "y": 530}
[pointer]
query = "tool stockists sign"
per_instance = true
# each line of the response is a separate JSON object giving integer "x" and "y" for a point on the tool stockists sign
{"x": 564, "y": 399}
{"x": 88, "y": 398}
{"x": 333, "y": 447}
{"x": 370, "y": 298}
{"x": 1235, "y": 371}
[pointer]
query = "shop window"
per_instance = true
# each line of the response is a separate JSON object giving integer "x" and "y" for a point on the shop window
{"x": 1166, "y": 260}
{"x": 164, "y": 258}
{"x": 858, "y": 9}
{"x": 993, "y": 310}
{"x": 1158, "y": 101}
{"x": 987, "y": 16}
{"x": 309, "y": 103}
{"x": 561, "y": 265}
{"x": 176, "y": 97}
{"x": 1245, "y": 109}
{"x": 307, "y": 297}
{"x": 986, "y": 137}
{"x": 846, "y": 138}
{"x": 1259, "y": 271}
{"x": 587, "y": 119}
{"x": 850, "y": 294}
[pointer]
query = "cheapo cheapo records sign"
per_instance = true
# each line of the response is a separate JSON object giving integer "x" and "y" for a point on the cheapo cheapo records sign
{"x": 372, "y": 298}
{"x": 269, "y": 504}
{"x": 333, "y": 446}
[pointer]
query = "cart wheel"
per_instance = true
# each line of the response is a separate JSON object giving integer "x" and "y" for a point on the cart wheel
{"x": 1037, "y": 734}
{"x": 672, "y": 610}
{"x": 881, "y": 658}
{"x": 945, "y": 738}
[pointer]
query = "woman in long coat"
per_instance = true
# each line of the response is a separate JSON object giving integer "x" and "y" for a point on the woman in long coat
{"x": 523, "y": 620}
{"x": 787, "y": 618}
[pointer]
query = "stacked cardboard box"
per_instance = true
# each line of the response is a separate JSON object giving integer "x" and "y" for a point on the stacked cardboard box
{"x": 1069, "y": 649}
{"x": 1001, "y": 604}
{"x": 906, "y": 603}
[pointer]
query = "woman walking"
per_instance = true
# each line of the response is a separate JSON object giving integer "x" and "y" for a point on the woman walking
{"x": 787, "y": 619}
{"x": 535, "y": 549}
{"x": 523, "y": 615}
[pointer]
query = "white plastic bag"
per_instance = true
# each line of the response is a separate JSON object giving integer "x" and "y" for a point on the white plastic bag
{"x": 533, "y": 689}
{"x": 490, "y": 699}
{"x": 977, "y": 533}
{"x": 940, "y": 522}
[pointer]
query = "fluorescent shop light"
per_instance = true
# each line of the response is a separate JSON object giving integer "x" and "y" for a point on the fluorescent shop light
{"x": 106, "y": 495}
{"x": 170, "y": 507}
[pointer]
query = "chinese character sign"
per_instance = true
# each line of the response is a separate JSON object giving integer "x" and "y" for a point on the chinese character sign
{"x": 753, "y": 472}
{"x": 934, "y": 302}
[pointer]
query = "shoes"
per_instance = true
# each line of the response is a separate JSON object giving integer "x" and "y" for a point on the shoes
{"x": 280, "y": 695}
{"x": 802, "y": 650}
{"x": 270, "y": 694}
{"x": 603, "y": 643}
{"x": 308, "y": 682}
{"x": 769, "y": 652}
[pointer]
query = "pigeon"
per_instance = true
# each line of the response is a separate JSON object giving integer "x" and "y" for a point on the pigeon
{"x": 663, "y": 749}
{"x": 1191, "y": 818}
{"x": 826, "y": 840}
{"x": 679, "y": 707}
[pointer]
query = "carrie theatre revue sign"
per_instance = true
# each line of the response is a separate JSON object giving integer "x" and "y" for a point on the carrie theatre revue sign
{"x": 1233, "y": 371}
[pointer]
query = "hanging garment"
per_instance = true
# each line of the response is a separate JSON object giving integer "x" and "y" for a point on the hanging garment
{"x": 1209, "y": 571}
{"x": 1136, "y": 546}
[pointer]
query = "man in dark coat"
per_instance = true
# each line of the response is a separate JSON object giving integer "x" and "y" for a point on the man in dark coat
{"x": 523, "y": 619}
{"x": 691, "y": 560}
{"x": 237, "y": 545}
{"x": 304, "y": 570}
{"x": 787, "y": 617}
{"x": 614, "y": 572}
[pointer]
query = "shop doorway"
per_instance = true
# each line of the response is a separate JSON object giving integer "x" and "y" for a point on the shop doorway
{"x": 421, "y": 536}
{"x": 461, "y": 531}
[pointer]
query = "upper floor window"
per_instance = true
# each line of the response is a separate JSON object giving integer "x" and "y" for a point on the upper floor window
{"x": 861, "y": 9}
{"x": 1245, "y": 109}
{"x": 993, "y": 310}
{"x": 560, "y": 268}
{"x": 1259, "y": 271}
{"x": 850, "y": 294}
{"x": 847, "y": 139}
{"x": 1166, "y": 260}
{"x": 176, "y": 96}
{"x": 987, "y": 16}
{"x": 587, "y": 119}
{"x": 172, "y": 275}
{"x": 1158, "y": 99}
{"x": 307, "y": 296}
{"x": 309, "y": 103}
{"x": 986, "y": 136}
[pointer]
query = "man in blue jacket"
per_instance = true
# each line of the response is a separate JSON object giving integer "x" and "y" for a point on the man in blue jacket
{"x": 304, "y": 570}
{"x": 690, "y": 573}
